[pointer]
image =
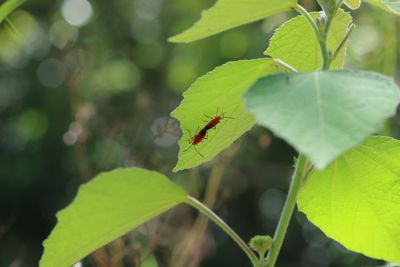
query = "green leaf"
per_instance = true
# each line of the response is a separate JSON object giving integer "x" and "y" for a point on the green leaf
{"x": 8, "y": 7}
{"x": 217, "y": 92}
{"x": 107, "y": 207}
{"x": 356, "y": 200}
{"x": 323, "y": 114}
{"x": 391, "y": 6}
{"x": 296, "y": 44}
{"x": 353, "y": 4}
{"x": 227, "y": 14}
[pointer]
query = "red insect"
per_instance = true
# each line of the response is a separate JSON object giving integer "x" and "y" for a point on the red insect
{"x": 215, "y": 121}
{"x": 197, "y": 139}
{"x": 202, "y": 134}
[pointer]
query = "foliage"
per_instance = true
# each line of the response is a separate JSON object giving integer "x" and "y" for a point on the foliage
{"x": 8, "y": 7}
{"x": 111, "y": 205}
{"x": 356, "y": 200}
{"x": 218, "y": 93}
{"x": 323, "y": 114}
{"x": 320, "y": 112}
{"x": 228, "y": 14}
{"x": 391, "y": 6}
{"x": 296, "y": 44}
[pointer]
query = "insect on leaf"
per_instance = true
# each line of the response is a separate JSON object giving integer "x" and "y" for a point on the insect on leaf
{"x": 217, "y": 92}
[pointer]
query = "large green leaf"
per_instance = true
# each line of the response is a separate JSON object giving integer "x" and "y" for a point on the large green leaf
{"x": 110, "y": 205}
{"x": 295, "y": 42}
{"x": 356, "y": 200}
{"x": 227, "y": 14}
{"x": 215, "y": 93}
{"x": 353, "y": 4}
{"x": 322, "y": 114}
{"x": 9, "y": 6}
{"x": 391, "y": 6}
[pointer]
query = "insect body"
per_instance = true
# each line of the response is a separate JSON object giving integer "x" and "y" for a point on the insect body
{"x": 197, "y": 139}
{"x": 215, "y": 121}
{"x": 201, "y": 135}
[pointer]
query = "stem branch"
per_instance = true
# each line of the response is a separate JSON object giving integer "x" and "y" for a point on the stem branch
{"x": 343, "y": 42}
{"x": 217, "y": 220}
{"x": 319, "y": 35}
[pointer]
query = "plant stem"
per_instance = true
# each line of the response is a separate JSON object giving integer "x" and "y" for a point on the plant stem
{"x": 321, "y": 36}
{"x": 343, "y": 42}
{"x": 214, "y": 217}
{"x": 299, "y": 174}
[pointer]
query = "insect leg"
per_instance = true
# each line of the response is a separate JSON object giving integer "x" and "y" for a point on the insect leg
{"x": 198, "y": 151}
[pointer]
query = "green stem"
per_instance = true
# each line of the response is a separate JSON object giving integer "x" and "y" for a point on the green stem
{"x": 343, "y": 42}
{"x": 321, "y": 36}
{"x": 299, "y": 174}
{"x": 217, "y": 220}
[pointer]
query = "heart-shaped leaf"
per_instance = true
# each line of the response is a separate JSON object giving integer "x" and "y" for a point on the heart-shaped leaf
{"x": 323, "y": 114}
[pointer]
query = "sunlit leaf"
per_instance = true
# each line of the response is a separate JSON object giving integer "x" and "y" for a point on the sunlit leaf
{"x": 323, "y": 114}
{"x": 295, "y": 42}
{"x": 217, "y": 92}
{"x": 110, "y": 205}
{"x": 356, "y": 200}
{"x": 227, "y": 14}
{"x": 391, "y": 6}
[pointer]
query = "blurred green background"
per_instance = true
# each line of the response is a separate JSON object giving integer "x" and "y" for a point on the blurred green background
{"x": 87, "y": 86}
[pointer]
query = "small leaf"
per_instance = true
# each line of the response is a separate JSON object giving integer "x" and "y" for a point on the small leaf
{"x": 227, "y": 14}
{"x": 353, "y": 4}
{"x": 107, "y": 207}
{"x": 391, "y": 6}
{"x": 356, "y": 200}
{"x": 323, "y": 114}
{"x": 8, "y": 7}
{"x": 296, "y": 44}
{"x": 217, "y": 92}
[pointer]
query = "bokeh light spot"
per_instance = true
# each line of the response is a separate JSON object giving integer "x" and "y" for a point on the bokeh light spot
{"x": 51, "y": 73}
{"x": 77, "y": 12}
{"x": 271, "y": 203}
{"x": 117, "y": 76}
{"x": 61, "y": 33}
{"x": 165, "y": 131}
{"x": 31, "y": 125}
